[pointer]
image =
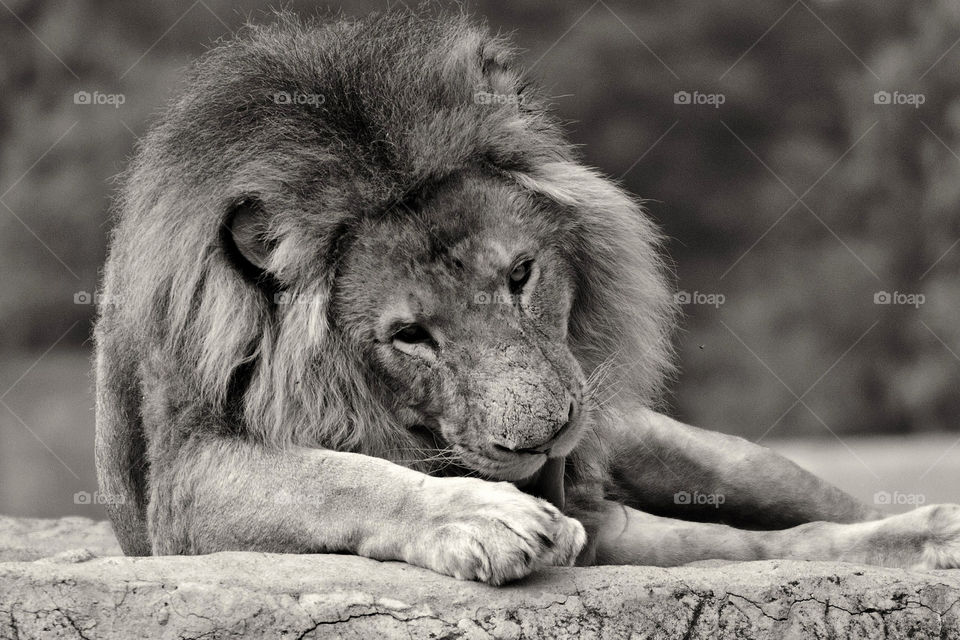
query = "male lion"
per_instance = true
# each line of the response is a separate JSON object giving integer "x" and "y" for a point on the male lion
{"x": 364, "y": 291}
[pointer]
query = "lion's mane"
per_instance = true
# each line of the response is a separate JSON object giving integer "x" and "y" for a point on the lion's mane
{"x": 399, "y": 109}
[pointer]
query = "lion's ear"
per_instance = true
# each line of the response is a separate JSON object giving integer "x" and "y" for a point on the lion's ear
{"x": 247, "y": 239}
{"x": 482, "y": 64}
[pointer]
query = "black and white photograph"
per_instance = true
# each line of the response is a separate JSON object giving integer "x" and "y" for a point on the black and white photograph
{"x": 480, "y": 319}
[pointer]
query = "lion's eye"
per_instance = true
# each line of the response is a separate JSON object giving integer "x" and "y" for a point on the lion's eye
{"x": 519, "y": 276}
{"x": 413, "y": 334}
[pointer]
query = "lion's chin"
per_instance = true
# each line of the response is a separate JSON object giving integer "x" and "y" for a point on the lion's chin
{"x": 518, "y": 467}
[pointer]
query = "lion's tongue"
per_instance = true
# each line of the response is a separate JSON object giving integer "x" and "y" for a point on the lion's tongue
{"x": 549, "y": 483}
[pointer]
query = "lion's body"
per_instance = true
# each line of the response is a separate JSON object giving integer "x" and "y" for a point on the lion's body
{"x": 189, "y": 332}
{"x": 365, "y": 156}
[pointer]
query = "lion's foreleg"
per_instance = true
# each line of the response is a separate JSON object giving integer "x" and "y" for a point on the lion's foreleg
{"x": 926, "y": 538}
{"x": 217, "y": 494}
{"x": 672, "y": 469}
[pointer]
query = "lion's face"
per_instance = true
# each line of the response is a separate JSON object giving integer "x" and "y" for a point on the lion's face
{"x": 460, "y": 306}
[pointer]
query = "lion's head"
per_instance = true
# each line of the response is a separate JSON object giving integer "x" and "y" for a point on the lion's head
{"x": 460, "y": 305}
{"x": 378, "y": 241}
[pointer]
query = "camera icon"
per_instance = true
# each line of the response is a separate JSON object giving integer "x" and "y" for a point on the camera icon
{"x": 82, "y": 97}
{"x": 681, "y": 97}
{"x": 882, "y": 97}
{"x": 882, "y": 297}
{"x": 82, "y": 497}
{"x": 82, "y": 297}
{"x": 282, "y": 97}
{"x": 682, "y": 297}
{"x": 881, "y": 497}
{"x": 482, "y": 297}
{"x": 682, "y": 497}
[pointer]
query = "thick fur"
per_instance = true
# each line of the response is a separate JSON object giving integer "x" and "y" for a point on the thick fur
{"x": 241, "y": 353}
{"x": 398, "y": 113}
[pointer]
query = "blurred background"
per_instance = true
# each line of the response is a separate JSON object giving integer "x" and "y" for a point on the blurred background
{"x": 801, "y": 156}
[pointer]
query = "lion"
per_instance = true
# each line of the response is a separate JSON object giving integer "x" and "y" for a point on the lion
{"x": 367, "y": 300}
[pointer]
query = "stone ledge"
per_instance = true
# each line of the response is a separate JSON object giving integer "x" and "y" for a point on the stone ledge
{"x": 34, "y": 538}
{"x": 75, "y": 594}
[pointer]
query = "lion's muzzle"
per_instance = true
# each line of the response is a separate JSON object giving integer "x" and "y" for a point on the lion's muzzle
{"x": 520, "y": 404}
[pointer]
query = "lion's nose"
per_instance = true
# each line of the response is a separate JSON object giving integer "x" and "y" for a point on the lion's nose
{"x": 505, "y": 446}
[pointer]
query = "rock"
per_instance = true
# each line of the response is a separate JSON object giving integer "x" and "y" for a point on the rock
{"x": 73, "y": 593}
{"x": 32, "y": 538}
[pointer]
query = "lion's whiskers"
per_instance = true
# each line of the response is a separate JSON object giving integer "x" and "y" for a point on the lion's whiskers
{"x": 597, "y": 382}
{"x": 599, "y": 392}
{"x": 437, "y": 459}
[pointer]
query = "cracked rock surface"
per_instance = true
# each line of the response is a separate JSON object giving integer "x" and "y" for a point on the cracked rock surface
{"x": 64, "y": 579}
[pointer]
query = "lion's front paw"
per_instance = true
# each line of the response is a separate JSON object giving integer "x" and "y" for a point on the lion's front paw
{"x": 492, "y": 532}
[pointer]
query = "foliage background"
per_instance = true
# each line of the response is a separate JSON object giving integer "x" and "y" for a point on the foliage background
{"x": 797, "y": 200}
